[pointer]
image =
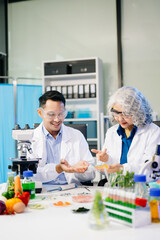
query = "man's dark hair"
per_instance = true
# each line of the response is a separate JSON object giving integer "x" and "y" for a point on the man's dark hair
{"x": 51, "y": 95}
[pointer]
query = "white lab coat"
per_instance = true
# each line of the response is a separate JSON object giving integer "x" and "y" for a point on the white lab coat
{"x": 74, "y": 148}
{"x": 142, "y": 148}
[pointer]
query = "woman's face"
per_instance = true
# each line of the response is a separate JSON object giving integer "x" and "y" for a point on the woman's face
{"x": 125, "y": 121}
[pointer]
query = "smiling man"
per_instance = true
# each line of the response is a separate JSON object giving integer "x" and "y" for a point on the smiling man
{"x": 64, "y": 151}
{"x": 133, "y": 138}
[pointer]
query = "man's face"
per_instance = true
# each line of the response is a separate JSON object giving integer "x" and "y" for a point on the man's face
{"x": 53, "y": 114}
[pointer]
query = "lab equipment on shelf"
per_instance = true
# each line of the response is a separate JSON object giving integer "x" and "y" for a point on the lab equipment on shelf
{"x": 75, "y": 91}
{"x": 84, "y": 113}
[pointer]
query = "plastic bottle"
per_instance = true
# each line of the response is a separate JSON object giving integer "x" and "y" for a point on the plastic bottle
{"x": 28, "y": 185}
{"x": 155, "y": 204}
{"x": 141, "y": 190}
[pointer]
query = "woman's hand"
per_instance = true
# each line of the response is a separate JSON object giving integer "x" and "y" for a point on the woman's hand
{"x": 101, "y": 155}
{"x": 114, "y": 168}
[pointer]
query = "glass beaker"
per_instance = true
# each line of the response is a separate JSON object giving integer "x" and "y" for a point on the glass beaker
{"x": 10, "y": 182}
{"x": 98, "y": 216}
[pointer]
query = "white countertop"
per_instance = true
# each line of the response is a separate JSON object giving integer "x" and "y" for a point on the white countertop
{"x": 62, "y": 223}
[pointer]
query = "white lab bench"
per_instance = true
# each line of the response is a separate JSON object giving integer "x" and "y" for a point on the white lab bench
{"x": 55, "y": 222}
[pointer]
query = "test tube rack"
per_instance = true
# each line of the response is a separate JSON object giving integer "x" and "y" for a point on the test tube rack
{"x": 132, "y": 217}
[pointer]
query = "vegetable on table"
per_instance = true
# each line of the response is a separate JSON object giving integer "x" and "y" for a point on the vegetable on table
{"x": 19, "y": 207}
{"x": 8, "y": 194}
{"x": 81, "y": 210}
{"x": 60, "y": 203}
{"x": 3, "y": 199}
{"x": 10, "y": 203}
{"x": 17, "y": 185}
{"x": 24, "y": 196}
{"x": 2, "y": 207}
{"x": 37, "y": 206}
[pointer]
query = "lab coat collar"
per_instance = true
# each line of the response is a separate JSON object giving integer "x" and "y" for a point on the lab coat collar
{"x": 66, "y": 136}
{"x": 40, "y": 138}
{"x": 39, "y": 131}
{"x": 66, "y": 145}
{"x": 138, "y": 131}
{"x": 121, "y": 132}
{"x": 47, "y": 134}
{"x": 142, "y": 129}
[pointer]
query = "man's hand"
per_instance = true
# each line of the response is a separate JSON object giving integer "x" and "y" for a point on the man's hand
{"x": 114, "y": 168}
{"x": 101, "y": 155}
{"x": 79, "y": 167}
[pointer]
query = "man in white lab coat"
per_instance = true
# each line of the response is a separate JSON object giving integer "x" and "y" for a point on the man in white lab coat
{"x": 64, "y": 151}
{"x": 134, "y": 139}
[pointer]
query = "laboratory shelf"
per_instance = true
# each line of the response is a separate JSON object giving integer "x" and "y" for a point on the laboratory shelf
{"x": 79, "y": 119}
{"x": 81, "y": 83}
{"x": 91, "y": 139}
{"x": 71, "y": 76}
{"x": 74, "y": 100}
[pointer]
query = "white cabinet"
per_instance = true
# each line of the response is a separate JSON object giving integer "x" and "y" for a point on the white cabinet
{"x": 81, "y": 82}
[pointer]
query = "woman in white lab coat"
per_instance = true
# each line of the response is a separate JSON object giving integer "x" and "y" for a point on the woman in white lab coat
{"x": 64, "y": 152}
{"x": 133, "y": 140}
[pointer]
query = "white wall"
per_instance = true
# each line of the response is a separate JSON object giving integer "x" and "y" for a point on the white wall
{"x": 42, "y": 30}
{"x": 141, "y": 47}
{"x": 64, "y": 29}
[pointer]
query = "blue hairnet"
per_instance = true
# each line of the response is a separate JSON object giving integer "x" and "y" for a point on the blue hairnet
{"x": 133, "y": 103}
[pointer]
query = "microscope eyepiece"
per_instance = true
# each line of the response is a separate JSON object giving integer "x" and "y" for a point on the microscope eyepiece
{"x": 17, "y": 126}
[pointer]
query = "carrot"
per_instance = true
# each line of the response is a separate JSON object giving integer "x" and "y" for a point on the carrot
{"x": 67, "y": 203}
{"x": 17, "y": 185}
{"x": 60, "y": 203}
